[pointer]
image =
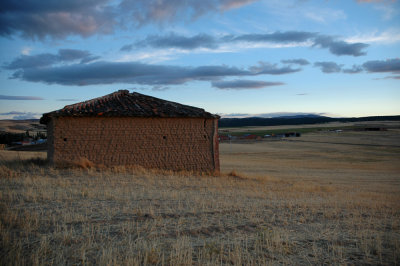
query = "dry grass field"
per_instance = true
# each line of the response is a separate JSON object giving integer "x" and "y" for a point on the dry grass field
{"x": 324, "y": 198}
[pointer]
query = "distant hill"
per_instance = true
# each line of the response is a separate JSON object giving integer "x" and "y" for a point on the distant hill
{"x": 297, "y": 120}
{"x": 21, "y": 126}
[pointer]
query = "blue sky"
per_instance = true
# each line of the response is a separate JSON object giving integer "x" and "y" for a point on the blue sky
{"x": 231, "y": 57}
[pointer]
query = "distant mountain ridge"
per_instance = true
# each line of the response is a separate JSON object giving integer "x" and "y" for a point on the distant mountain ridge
{"x": 297, "y": 120}
{"x": 296, "y": 116}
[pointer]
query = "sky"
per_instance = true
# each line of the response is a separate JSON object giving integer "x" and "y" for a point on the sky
{"x": 234, "y": 58}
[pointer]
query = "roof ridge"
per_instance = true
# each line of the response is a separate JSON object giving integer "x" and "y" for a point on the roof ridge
{"x": 126, "y": 104}
{"x": 104, "y": 97}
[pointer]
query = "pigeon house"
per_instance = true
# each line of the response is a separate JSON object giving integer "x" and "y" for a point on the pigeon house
{"x": 124, "y": 128}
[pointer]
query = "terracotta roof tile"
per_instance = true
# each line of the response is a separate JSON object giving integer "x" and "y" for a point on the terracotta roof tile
{"x": 124, "y": 104}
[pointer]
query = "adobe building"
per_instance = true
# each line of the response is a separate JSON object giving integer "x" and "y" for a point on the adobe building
{"x": 125, "y": 128}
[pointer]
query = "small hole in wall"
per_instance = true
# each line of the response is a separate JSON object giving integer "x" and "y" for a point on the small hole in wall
{"x": 205, "y": 136}
{"x": 65, "y": 139}
{"x": 164, "y": 137}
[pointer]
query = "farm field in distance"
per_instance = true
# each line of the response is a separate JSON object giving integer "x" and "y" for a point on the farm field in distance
{"x": 323, "y": 198}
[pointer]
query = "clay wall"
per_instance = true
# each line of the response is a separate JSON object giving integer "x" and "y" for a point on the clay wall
{"x": 165, "y": 143}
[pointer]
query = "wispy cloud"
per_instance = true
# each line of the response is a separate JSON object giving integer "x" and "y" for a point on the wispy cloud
{"x": 26, "y": 50}
{"x": 163, "y": 11}
{"x": 175, "y": 41}
{"x": 243, "y": 84}
{"x": 300, "y": 61}
{"x": 43, "y": 60}
{"x": 324, "y": 15}
{"x": 386, "y": 37}
{"x": 273, "y": 69}
{"x": 16, "y": 115}
{"x": 387, "y": 7}
{"x": 20, "y": 98}
{"x": 354, "y": 70}
{"x": 279, "y": 39}
{"x": 388, "y": 77}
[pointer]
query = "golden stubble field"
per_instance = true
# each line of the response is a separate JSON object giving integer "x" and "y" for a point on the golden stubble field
{"x": 324, "y": 198}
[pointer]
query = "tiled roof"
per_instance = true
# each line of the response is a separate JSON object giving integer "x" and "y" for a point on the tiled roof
{"x": 124, "y": 104}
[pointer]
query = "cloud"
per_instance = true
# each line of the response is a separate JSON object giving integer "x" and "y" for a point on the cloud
{"x": 340, "y": 47}
{"x": 385, "y": 6}
{"x": 389, "y": 77}
{"x": 13, "y": 113}
{"x": 354, "y": 70}
{"x": 299, "y": 61}
{"x": 393, "y": 77}
{"x": 374, "y": 66}
{"x": 26, "y": 50}
{"x": 72, "y": 54}
{"x": 232, "y": 4}
{"x": 125, "y": 72}
{"x": 381, "y": 66}
{"x": 43, "y": 60}
{"x": 30, "y": 61}
{"x": 20, "y": 98}
{"x": 293, "y": 38}
{"x": 328, "y": 67}
{"x": 324, "y": 15}
{"x": 103, "y": 72}
{"x": 26, "y": 116}
{"x": 386, "y": 37}
{"x": 20, "y": 115}
{"x": 59, "y": 19}
{"x": 240, "y": 84}
{"x": 161, "y": 11}
{"x": 176, "y": 41}
{"x": 278, "y": 37}
{"x": 273, "y": 69}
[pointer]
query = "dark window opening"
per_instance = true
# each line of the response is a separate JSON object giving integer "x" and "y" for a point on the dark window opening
{"x": 65, "y": 139}
{"x": 164, "y": 137}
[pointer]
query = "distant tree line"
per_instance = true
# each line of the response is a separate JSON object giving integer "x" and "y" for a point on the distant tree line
{"x": 278, "y": 121}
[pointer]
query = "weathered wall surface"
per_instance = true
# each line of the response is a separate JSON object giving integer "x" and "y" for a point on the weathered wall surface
{"x": 50, "y": 141}
{"x": 166, "y": 143}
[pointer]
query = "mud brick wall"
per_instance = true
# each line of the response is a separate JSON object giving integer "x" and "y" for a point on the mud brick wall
{"x": 165, "y": 143}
